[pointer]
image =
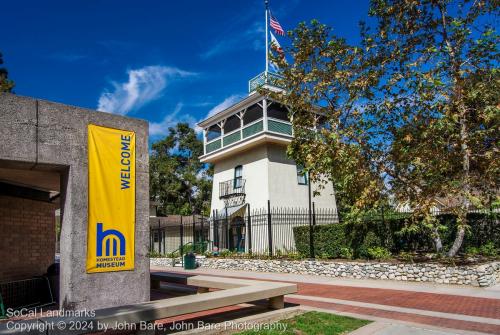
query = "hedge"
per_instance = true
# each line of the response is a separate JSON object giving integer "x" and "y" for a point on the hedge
{"x": 329, "y": 240}
{"x": 332, "y": 240}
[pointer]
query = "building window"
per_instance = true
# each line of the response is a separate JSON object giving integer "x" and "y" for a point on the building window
{"x": 232, "y": 123}
{"x": 301, "y": 175}
{"x": 252, "y": 114}
{"x": 213, "y": 132}
{"x": 277, "y": 111}
{"x": 238, "y": 176}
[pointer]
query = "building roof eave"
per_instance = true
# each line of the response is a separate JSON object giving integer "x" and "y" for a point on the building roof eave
{"x": 249, "y": 100}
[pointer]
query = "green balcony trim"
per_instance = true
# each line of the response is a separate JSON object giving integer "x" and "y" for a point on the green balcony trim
{"x": 231, "y": 138}
{"x": 248, "y": 131}
{"x": 212, "y": 146}
{"x": 253, "y": 129}
{"x": 279, "y": 127}
{"x": 265, "y": 78}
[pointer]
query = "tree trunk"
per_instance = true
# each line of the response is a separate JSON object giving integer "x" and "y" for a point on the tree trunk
{"x": 466, "y": 153}
{"x": 455, "y": 64}
{"x": 458, "y": 241}
{"x": 438, "y": 244}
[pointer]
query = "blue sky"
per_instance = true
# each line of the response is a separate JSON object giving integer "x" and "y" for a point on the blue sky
{"x": 164, "y": 61}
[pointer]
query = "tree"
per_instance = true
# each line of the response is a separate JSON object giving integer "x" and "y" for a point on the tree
{"x": 178, "y": 180}
{"x": 439, "y": 102}
{"x": 329, "y": 76}
{"x": 413, "y": 110}
{"x": 6, "y": 85}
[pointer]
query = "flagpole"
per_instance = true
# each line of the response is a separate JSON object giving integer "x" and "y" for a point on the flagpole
{"x": 267, "y": 36}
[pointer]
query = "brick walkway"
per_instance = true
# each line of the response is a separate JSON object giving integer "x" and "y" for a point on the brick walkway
{"x": 434, "y": 302}
{"x": 453, "y": 304}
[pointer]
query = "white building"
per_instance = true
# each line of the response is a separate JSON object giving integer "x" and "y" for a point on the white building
{"x": 247, "y": 144}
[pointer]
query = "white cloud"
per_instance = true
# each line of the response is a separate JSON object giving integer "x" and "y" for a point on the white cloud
{"x": 170, "y": 120}
{"x": 228, "y": 102}
{"x": 252, "y": 38}
{"x": 143, "y": 85}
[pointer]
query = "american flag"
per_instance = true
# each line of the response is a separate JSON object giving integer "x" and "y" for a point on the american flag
{"x": 276, "y": 26}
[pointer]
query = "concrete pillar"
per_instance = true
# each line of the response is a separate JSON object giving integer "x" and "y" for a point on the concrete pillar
{"x": 277, "y": 302}
{"x": 43, "y": 134}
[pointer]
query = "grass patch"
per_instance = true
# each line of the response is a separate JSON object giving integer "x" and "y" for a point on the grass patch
{"x": 312, "y": 323}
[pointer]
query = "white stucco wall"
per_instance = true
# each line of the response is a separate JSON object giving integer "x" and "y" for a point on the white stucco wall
{"x": 269, "y": 175}
{"x": 285, "y": 191}
{"x": 254, "y": 162}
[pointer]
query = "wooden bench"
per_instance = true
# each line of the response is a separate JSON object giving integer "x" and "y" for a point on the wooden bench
{"x": 232, "y": 292}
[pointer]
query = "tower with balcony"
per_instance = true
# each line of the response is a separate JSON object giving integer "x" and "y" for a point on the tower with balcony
{"x": 247, "y": 144}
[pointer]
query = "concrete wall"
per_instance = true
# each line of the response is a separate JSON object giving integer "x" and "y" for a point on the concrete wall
{"x": 41, "y": 135}
{"x": 27, "y": 238}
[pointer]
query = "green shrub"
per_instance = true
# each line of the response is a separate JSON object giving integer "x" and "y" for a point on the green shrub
{"x": 155, "y": 254}
{"x": 174, "y": 254}
{"x": 370, "y": 241}
{"x": 378, "y": 253}
{"x": 346, "y": 253}
{"x": 225, "y": 253}
{"x": 294, "y": 256}
{"x": 488, "y": 249}
{"x": 472, "y": 251}
{"x": 328, "y": 240}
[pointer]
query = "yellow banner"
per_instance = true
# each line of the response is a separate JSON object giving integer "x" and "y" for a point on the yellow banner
{"x": 110, "y": 239}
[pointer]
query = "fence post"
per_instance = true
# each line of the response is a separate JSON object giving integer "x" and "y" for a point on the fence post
{"x": 151, "y": 240}
{"x": 311, "y": 233}
{"x": 227, "y": 231}
{"x": 181, "y": 233}
{"x": 215, "y": 243}
{"x": 159, "y": 238}
{"x": 269, "y": 228}
{"x": 249, "y": 230}
{"x": 202, "y": 237}
{"x": 193, "y": 233}
{"x": 314, "y": 214}
{"x": 164, "y": 232}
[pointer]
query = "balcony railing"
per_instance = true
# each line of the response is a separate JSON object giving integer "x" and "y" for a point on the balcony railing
{"x": 231, "y": 188}
{"x": 273, "y": 126}
{"x": 265, "y": 78}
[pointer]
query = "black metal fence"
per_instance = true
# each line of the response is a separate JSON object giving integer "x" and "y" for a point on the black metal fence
{"x": 178, "y": 234}
{"x": 270, "y": 231}
{"x": 266, "y": 231}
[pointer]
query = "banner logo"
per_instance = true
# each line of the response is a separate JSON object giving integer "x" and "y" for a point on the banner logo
{"x": 111, "y": 225}
{"x": 105, "y": 237}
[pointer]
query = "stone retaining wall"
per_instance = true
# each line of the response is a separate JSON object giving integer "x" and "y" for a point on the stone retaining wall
{"x": 475, "y": 275}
